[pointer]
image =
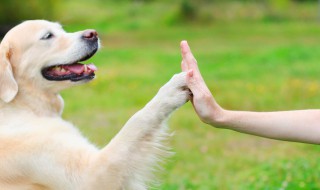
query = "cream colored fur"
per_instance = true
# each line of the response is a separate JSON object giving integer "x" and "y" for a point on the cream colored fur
{"x": 41, "y": 151}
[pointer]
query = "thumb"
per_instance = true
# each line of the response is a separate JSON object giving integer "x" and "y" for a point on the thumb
{"x": 196, "y": 84}
{"x": 192, "y": 81}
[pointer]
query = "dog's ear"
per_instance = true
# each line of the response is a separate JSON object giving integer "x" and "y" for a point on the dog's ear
{"x": 8, "y": 85}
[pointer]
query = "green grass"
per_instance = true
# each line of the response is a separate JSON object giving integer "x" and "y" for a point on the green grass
{"x": 257, "y": 65}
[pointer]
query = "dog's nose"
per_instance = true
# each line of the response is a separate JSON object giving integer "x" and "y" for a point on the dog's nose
{"x": 90, "y": 35}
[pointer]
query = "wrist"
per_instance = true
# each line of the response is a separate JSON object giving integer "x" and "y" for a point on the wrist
{"x": 218, "y": 118}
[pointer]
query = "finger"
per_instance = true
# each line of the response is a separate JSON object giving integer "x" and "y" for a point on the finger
{"x": 184, "y": 47}
{"x": 184, "y": 66}
{"x": 194, "y": 78}
{"x": 186, "y": 52}
{"x": 190, "y": 73}
{"x": 196, "y": 84}
{"x": 193, "y": 83}
{"x": 187, "y": 56}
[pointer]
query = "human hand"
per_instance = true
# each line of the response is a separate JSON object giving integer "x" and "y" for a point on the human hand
{"x": 202, "y": 100}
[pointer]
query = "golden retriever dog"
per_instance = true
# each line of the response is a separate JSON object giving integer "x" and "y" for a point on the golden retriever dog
{"x": 40, "y": 150}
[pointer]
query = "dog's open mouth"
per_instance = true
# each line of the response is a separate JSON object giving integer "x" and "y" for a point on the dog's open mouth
{"x": 74, "y": 72}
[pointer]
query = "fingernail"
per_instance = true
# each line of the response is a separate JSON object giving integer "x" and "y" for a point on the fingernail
{"x": 184, "y": 43}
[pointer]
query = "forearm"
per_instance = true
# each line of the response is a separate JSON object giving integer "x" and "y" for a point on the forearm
{"x": 298, "y": 125}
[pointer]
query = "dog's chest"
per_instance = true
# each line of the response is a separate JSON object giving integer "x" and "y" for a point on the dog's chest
{"x": 44, "y": 150}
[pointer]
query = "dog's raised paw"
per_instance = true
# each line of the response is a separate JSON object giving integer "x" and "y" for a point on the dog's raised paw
{"x": 175, "y": 93}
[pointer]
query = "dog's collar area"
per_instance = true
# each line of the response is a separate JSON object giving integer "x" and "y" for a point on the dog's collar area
{"x": 74, "y": 72}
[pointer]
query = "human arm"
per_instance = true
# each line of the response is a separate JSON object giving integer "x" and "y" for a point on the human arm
{"x": 296, "y": 125}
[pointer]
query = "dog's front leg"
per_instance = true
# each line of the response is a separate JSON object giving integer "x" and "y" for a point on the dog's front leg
{"x": 128, "y": 161}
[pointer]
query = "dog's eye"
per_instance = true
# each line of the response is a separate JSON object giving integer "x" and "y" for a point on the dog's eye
{"x": 47, "y": 36}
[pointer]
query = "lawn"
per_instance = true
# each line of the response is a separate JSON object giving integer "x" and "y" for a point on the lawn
{"x": 248, "y": 65}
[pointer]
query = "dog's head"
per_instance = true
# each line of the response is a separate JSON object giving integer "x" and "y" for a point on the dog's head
{"x": 41, "y": 54}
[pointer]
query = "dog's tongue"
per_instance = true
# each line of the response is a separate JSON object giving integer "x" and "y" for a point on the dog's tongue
{"x": 80, "y": 68}
{"x": 75, "y": 68}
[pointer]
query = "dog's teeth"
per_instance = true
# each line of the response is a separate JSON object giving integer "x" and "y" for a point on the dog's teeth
{"x": 63, "y": 70}
{"x": 85, "y": 68}
{"x": 56, "y": 68}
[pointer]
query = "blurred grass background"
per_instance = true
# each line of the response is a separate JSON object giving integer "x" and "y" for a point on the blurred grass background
{"x": 254, "y": 55}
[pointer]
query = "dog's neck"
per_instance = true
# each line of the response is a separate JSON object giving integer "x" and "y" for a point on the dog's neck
{"x": 40, "y": 103}
{"x": 48, "y": 104}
